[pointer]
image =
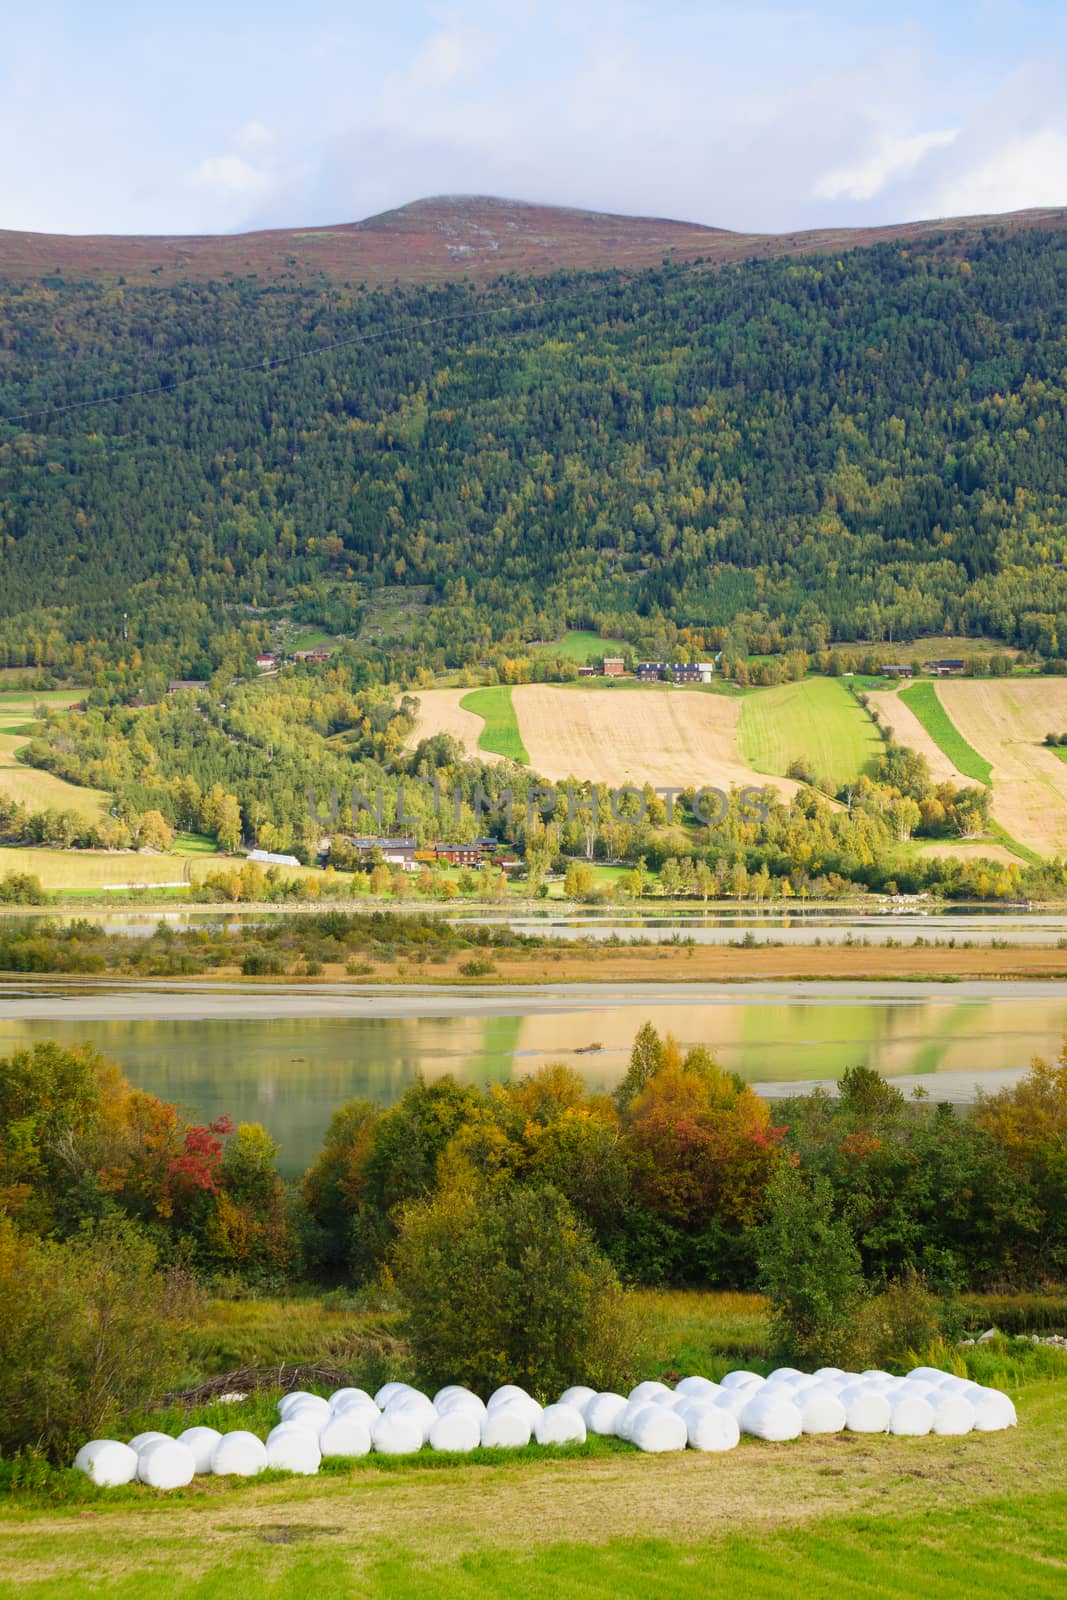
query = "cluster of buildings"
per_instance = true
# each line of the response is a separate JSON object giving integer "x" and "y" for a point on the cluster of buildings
{"x": 652, "y": 671}
{"x": 938, "y": 669}
{"x": 410, "y": 856}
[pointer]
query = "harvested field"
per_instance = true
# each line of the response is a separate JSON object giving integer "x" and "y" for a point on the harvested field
{"x": 630, "y": 737}
{"x": 968, "y": 850}
{"x": 908, "y": 730}
{"x": 440, "y": 711}
{"x": 28, "y": 786}
{"x": 1006, "y": 721}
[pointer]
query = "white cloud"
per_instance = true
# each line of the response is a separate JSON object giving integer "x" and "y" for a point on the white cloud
{"x": 254, "y": 136}
{"x": 1028, "y": 170}
{"x": 231, "y": 176}
{"x": 447, "y": 58}
{"x": 894, "y": 158}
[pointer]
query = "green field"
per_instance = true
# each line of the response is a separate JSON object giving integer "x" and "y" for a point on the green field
{"x": 500, "y": 736}
{"x": 581, "y": 646}
{"x": 817, "y": 721}
{"x": 923, "y": 700}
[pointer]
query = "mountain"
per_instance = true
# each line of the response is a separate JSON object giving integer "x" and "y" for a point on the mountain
{"x": 864, "y": 444}
{"x": 453, "y": 237}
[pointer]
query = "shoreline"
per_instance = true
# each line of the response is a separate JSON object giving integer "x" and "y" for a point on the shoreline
{"x": 180, "y": 1000}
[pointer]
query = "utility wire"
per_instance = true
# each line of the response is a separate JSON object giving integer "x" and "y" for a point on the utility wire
{"x": 272, "y": 363}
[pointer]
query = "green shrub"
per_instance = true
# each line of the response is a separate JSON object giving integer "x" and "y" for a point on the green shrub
{"x": 262, "y": 964}
{"x": 87, "y": 1331}
{"x": 506, "y": 1286}
{"x": 810, "y": 1271}
{"x": 477, "y": 967}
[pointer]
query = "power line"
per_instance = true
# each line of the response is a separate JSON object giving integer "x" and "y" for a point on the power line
{"x": 272, "y": 363}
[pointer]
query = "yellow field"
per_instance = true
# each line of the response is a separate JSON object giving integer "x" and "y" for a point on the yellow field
{"x": 1005, "y": 721}
{"x": 105, "y": 869}
{"x": 630, "y": 736}
{"x": 38, "y": 791}
{"x": 440, "y": 712}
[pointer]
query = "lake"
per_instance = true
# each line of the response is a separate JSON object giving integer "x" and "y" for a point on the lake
{"x": 288, "y": 1056}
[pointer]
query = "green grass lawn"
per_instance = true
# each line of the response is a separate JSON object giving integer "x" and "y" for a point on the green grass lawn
{"x": 500, "y": 736}
{"x": 923, "y": 700}
{"x": 817, "y": 721}
{"x": 580, "y": 646}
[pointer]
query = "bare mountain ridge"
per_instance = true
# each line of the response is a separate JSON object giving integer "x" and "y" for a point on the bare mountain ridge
{"x": 452, "y": 237}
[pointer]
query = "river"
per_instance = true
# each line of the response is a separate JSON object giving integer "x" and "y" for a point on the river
{"x": 287, "y": 1055}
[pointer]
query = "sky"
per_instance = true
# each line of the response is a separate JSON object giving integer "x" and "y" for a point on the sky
{"x": 118, "y": 117}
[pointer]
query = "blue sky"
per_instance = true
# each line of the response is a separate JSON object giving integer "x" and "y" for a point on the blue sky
{"x": 116, "y": 117}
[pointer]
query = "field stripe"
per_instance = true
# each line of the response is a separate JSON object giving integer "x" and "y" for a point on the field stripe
{"x": 923, "y": 700}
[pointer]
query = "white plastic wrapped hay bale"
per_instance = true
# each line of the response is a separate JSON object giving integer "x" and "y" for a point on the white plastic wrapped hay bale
{"x": 505, "y": 1395}
{"x": 911, "y": 1416}
{"x": 166, "y": 1464}
{"x": 418, "y": 1407}
{"x": 505, "y": 1427}
{"x": 299, "y": 1399}
{"x": 141, "y": 1441}
{"x": 734, "y": 1400}
{"x": 867, "y": 1410}
{"x": 389, "y": 1391}
{"x": 578, "y": 1396}
{"x": 953, "y": 1414}
{"x": 658, "y": 1429}
{"x": 201, "y": 1441}
{"x": 928, "y": 1374}
{"x": 785, "y": 1375}
{"x": 771, "y": 1419}
{"x": 108, "y": 1462}
{"x": 460, "y": 1400}
{"x": 560, "y": 1424}
{"x": 313, "y": 1412}
{"x": 350, "y": 1396}
{"x": 741, "y": 1379}
{"x": 710, "y": 1428}
{"x": 348, "y": 1433}
{"x": 821, "y": 1411}
{"x": 238, "y": 1455}
{"x": 603, "y": 1411}
{"x": 697, "y": 1388}
{"x": 292, "y": 1449}
{"x": 650, "y": 1389}
{"x": 365, "y": 1409}
{"x": 628, "y": 1416}
{"x": 993, "y": 1410}
{"x": 826, "y": 1375}
{"x": 459, "y": 1429}
{"x": 516, "y": 1399}
{"x": 398, "y": 1433}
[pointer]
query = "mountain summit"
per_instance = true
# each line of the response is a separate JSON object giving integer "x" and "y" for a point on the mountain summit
{"x": 449, "y": 236}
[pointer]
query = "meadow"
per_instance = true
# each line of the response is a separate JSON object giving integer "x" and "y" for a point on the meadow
{"x": 817, "y": 721}
{"x": 580, "y": 645}
{"x": 854, "y": 1515}
{"x": 500, "y": 735}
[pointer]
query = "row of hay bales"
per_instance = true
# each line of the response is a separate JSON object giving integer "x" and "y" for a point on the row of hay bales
{"x": 698, "y": 1415}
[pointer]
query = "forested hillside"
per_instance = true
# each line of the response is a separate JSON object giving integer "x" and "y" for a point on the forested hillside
{"x": 798, "y": 451}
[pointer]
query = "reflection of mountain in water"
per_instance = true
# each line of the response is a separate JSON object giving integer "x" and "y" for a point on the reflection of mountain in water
{"x": 292, "y": 1074}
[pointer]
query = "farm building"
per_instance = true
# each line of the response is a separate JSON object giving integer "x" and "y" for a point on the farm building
{"x": 898, "y": 670}
{"x": 458, "y": 855}
{"x": 177, "y": 685}
{"x": 614, "y": 667}
{"x": 587, "y": 672}
{"x": 393, "y": 852}
{"x": 311, "y": 655}
{"x": 706, "y": 670}
{"x": 649, "y": 671}
{"x": 684, "y": 672}
{"x": 266, "y": 663}
{"x": 947, "y": 665}
{"x": 268, "y": 858}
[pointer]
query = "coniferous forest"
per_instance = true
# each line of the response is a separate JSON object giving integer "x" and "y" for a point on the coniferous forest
{"x": 792, "y": 453}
